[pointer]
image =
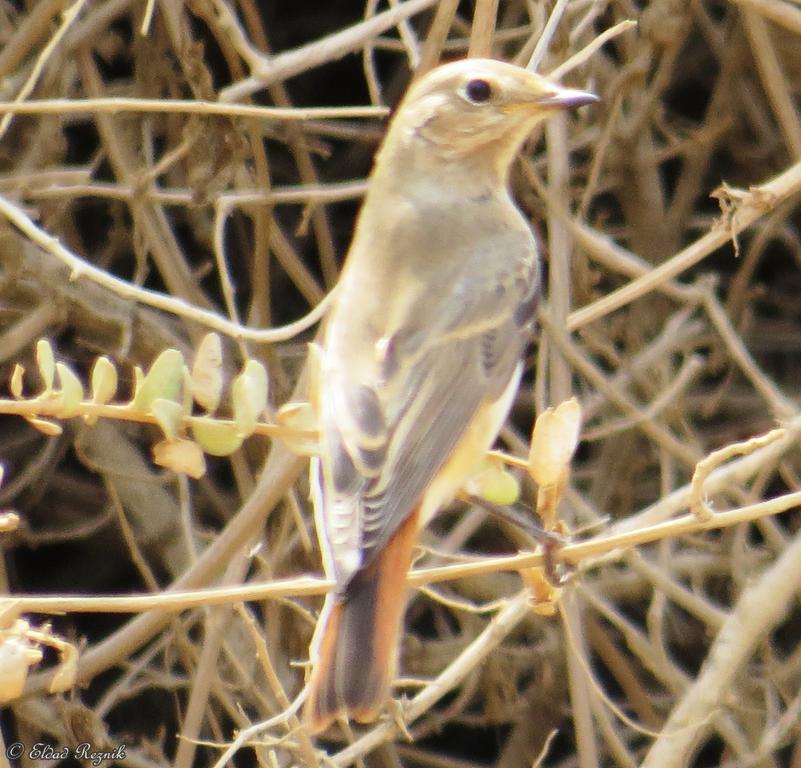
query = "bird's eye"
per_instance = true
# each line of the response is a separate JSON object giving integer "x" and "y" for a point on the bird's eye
{"x": 478, "y": 91}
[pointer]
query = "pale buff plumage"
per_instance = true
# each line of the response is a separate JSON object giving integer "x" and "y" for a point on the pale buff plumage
{"x": 421, "y": 353}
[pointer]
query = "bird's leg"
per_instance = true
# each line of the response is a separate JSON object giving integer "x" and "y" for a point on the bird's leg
{"x": 555, "y": 569}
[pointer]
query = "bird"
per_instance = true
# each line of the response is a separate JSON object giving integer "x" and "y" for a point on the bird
{"x": 420, "y": 356}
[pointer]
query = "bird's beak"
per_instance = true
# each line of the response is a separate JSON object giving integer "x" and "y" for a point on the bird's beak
{"x": 566, "y": 98}
{"x": 540, "y": 95}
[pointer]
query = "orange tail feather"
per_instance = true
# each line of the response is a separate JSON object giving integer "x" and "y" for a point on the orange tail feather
{"x": 357, "y": 651}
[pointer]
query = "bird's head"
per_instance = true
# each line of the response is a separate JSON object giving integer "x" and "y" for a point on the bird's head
{"x": 478, "y": 105}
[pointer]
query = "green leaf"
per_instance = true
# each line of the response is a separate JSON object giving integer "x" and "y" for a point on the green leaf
{"x": 71, "y": 390}
{"x": 163, "y": 380}
{"x": 104, "y": 380}
{"x": 46, "y": 362}
{"x": 139, "y": 380}
{"x": 495, "y": 484}
{"x": 217, "y": 438}
{"x": 249, "y": 396}
{"x": 168, "y": 414}
{"x": 15, "y": 383}
{"x": 49, "y": 428}
{"x": 207, "y": 380}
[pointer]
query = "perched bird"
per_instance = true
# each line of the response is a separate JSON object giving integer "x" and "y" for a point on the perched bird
{"x": 421, "y": 355}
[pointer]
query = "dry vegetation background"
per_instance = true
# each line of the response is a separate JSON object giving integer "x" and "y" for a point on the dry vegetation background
{"x": 682, "y": 651}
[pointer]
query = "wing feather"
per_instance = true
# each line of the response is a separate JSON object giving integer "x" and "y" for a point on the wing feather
{"x": 390, "y": 422}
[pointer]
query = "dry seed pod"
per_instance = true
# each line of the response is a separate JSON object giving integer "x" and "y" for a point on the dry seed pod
{"x": 9, "y": 521}
{"x": 67, "y": 670}
{"x": 302, "y": 420}
{"x": 544, "y": 595}
{"x": 180, "y": 455}
{"x": 16, "y": 656}
{"x": 554, "y": 441}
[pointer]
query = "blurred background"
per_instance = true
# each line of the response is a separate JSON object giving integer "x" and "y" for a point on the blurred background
{"x": 250, "y": 217}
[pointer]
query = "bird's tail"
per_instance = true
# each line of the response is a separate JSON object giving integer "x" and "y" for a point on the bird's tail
{"x": 357, "y": 642}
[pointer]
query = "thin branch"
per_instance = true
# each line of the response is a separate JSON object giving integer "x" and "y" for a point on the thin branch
{"x": 541, "y": 48}
{"x": 269, "y": 70}
{"x": 115, "y": 105}
{"x": 762, "y": 605}
{"x": 590, "y": 551}
{"x": 749, "y": 207}
{"x": 81, "y": 268}
{"x": 68, "y": 18}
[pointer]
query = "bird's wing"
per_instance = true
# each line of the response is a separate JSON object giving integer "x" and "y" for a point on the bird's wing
{"x": 384, "y": 440}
